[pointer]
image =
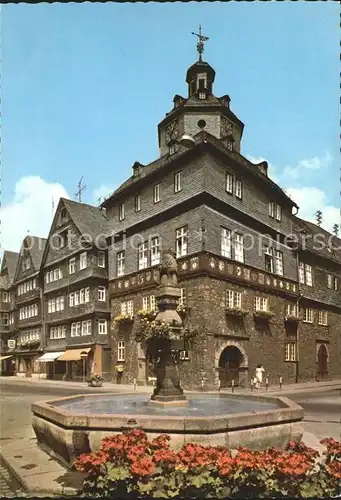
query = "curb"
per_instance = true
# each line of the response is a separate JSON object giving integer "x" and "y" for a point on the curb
{"x": 37, "y": 492}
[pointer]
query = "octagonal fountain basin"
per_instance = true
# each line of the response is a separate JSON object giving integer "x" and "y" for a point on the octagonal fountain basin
{"x": 70, "y": 426}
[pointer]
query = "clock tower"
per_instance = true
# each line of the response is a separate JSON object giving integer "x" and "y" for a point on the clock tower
{"x": 200, "y": 110}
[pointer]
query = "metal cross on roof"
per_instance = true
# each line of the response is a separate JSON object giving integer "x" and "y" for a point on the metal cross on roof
{"x": 200, "y": 44}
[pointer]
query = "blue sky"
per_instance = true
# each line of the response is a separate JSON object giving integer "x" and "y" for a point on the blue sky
{"x": 84, "y": 86}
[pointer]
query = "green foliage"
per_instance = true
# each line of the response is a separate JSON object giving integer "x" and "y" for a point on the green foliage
{"x": 128, "y": 465}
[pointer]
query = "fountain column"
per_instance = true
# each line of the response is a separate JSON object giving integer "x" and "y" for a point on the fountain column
{"x": 168, "y": 391}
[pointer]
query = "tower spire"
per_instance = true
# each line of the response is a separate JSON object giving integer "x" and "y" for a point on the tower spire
{"x": 200, "y": 44}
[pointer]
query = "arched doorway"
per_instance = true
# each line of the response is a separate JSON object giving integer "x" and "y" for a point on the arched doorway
{"x": 230, "y": 362}
{"x": 322, "y": 362}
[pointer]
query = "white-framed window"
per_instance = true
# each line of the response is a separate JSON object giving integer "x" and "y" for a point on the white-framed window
{"x": 101, "y": 293}
{"x": 121, "y": 214}
{"x": 82, "y": 295}
{"x": 275, "y": 211}
{"x": 87, "y": 294}
{"x": 274, "y": 261}
{"x": 272, "y": 209}
{"x": 330, "y": 280}
{"x": 155, "y": 254}
{"x": 156, "y": 192}
{"x": 269, "y": 261}
{"x": 5, "y": 319}
{"x": 177, "y": 182}
{"x": 73, "y": 330}
{"x": 102, "y": 326}
{"x": 72, "y": 265}
{"x": 278, "y": 262}
{"x": 278, "y": 213}
{"x": 308, "y": 275}
{"x": 77, "y": 298}
{"x": 121, "y": 350}
{"x": 239, "y": 189}
{"x": 86, "y": 327}
{"x": 78, "y": 328}
{"x": 323, "y": 318}
{"x": 60, "y": 303}
{"x": 127, "y": 307}
{"x": 226, "y": 243}
{"x": 336, "y": 283}
{"x": 181, "y": 241}
{"x": 58, "y": 332}
{"x": 71, "y": 299}
{"x": 308, "y": 315}
{"x": 137, "y": 203}
{"x": 305, "y": 274}
{"x": 290, "y": 351}
{"x": 145, "y": 303}
{"x": 183, "y": 297}
{"x": 149, "y": 302}
{"x": 152, "y": 302}
{"x": 233, "y": 299}
{"x": 120, "y": 263}
{"x": 130, "y": 307}
{"x": 229, "y": 183}
{"x": 202, "y": 95}
{"x": 4, "y": 296}
{"x": 124, "y": 308}
{"x": 291, "y": 310}
{"x": 142, "y": 256}
{"x": 101, "y": 259}
{"x": 238, "y": 247}
{"x": 261, "y": 303}
{"x": 83, "y": 260}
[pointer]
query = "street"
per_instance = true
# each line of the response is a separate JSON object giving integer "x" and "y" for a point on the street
{"x": 322, "y": 413}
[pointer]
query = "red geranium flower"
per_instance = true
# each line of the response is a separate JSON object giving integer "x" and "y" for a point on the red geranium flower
{"x": 143, "y": 467}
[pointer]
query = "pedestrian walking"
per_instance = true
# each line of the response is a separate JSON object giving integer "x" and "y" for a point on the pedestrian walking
{"x": 259, "y": 376}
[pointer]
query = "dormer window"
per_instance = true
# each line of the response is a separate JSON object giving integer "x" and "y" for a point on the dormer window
{"x": 230, "y": 145}
{"x": 121, "y": 211}
{"x": 202, "y": 95}
{"x": 63, "y": 213}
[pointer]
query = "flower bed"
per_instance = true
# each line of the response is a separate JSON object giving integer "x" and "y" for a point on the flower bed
{"x": 128, "y": 465}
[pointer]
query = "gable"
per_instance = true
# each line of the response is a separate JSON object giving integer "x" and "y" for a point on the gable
{"x": 25, "y": 265}
{"x": 63, "y": 240}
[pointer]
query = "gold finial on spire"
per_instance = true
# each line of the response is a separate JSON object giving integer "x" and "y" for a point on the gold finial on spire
{"x": 200, "y": 44}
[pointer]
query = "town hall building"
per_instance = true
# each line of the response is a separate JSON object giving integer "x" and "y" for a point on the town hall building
{"x": 248, "y": 278}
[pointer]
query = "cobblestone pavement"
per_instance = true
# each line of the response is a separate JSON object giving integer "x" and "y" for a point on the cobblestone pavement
{"x": 9, "y": 487}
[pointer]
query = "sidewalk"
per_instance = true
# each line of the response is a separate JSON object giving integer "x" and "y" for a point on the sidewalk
{"x": 113, "y": 387}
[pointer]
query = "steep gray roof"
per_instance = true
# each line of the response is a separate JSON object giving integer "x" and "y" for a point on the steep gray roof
{"x": 88, "y": 219}
{"x": 321, "y": 240}
{"x": 201, "y": 139}
{"x": 37, "y": 250}
{"x": 11, "y": 259}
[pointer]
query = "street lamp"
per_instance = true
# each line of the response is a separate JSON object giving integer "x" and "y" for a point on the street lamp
{"x": 84, "y": 356}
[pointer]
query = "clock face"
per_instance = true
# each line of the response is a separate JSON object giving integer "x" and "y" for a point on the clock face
{"x": 172, "y": 131}
{"x": 227, "y": 128}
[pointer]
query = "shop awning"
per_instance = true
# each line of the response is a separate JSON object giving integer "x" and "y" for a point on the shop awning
{"x": 73, "y": 354}
{"x": 49, "y": 356}
{"x": 5, "y": 357}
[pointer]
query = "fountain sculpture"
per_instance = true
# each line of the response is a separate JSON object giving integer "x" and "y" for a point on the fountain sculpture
{"x": 70, "y": 426}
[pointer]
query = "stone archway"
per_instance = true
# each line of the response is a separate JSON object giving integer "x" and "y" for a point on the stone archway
{"x": 322, "y": 362}
{"x": 231, "y": 363}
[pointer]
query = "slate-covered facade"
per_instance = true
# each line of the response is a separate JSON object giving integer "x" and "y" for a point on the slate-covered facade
{"x": 238, "y": 243}
{"x": 75, "y": 298}
{"x": 7, "y": 312}
{"x": 29, "y": 312}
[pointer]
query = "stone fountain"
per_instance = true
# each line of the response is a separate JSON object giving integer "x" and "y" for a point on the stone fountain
{"x": 70, "y": 426}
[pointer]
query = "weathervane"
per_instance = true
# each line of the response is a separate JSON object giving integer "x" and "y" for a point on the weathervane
{"x": 200, "y": 44}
